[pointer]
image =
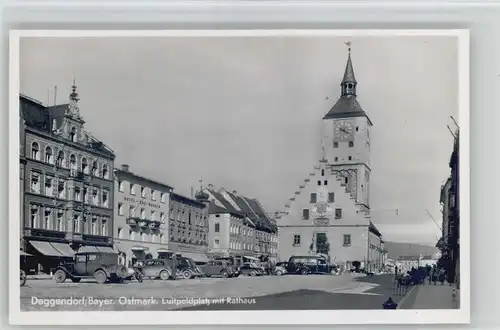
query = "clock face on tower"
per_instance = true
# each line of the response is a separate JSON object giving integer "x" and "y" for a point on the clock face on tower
{"x": 343, "y": 131}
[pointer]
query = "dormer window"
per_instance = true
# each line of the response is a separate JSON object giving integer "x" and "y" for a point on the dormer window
{"x": 72, "y": 134}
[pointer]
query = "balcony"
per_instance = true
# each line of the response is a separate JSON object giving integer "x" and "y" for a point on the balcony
{"x": 143, "y": 223}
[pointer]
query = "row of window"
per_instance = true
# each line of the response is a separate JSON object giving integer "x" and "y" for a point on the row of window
{"x": 179, "y": 214}
{"x": 132, "y": 212}
{"x": 87, "y": 167}
{"x": 135, "y": 188}
{"x": 233, "y": 245}
{"x": 141, "y": 236}
{"x": 181, "y": 233}
{"x": 336, "y": 144}
{"x": 306, "y": 214}
{"x": 247, "y": 232}
{"x": 56, "y": 219}
{"x": 346, "y": 242}
{"x": 57, "y": 188}
{"x": 314, "y": 197}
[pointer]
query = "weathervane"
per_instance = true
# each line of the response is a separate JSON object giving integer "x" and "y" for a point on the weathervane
{"x": 348, "y": 44}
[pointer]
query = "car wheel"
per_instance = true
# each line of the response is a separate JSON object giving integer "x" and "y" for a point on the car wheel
{"x": 164, "y": 275}
{"x": 186, "y": 274}
{"x": 279, "y": 272}
{"x": 304, "y": 271}
{"x": 224, "y": 274}
{"x": 60, "y": 276}
{"x": 100, "y": 276}
{"x": 208, "y": 275}
{"x": 253, "y": 273}
{"x": 23, "y": 277}
{"x": 333, "y": 272}
{"x": 76, "y": 280}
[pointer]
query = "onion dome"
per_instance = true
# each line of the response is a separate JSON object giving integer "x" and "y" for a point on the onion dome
{"x": 201, "y": 196}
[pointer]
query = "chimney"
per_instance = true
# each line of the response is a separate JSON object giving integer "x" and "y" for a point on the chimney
{"x": 125, "y": 168}
{"x": 235, "y": 192}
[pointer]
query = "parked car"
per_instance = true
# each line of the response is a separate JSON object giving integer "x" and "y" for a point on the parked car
{"x": 218, "y": 268}
{"x": 102, "y": 266}
{"x": 187, "y": 268}
{"x": 280, "y": 268}
{"x": 310, "y": 265}
{"x": 251, "y": 269}
{"x": 157, "y": 268}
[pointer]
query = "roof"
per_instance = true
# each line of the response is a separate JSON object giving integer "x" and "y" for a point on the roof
{"x": 349, "y": 71}
{"x": 150, "y": 181}
{"x": 185, "y": 200}
{"x": 347, "y": 106}
{"x": 40, "y": 117}
{"x": 374, "y": 229}
{"x": 215, "y": 209}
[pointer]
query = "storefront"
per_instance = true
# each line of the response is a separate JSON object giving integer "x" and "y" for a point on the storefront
{"x": 193, "y": 251}
{"x": 134, "y": 251}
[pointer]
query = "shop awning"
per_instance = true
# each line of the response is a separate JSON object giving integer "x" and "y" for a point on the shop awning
{"x": 138, "y": 248}
{"x": 163, "y": 251}
{"x": 105, "y": 249}
{"x": 88, "y": 248}
{"x": 64, "y": 249}
{"x": 197, "y": 257}
{"x": 22, "y": 253}
{"x": 252, "y": 258}
{"x": 46, "y": 248}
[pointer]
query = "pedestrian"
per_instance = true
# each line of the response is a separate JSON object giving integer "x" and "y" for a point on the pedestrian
{"x": 442, "y": 275}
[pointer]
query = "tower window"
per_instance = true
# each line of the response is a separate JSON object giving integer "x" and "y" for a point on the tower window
{"x": 350, "y": 158}
{"x": 319, "y": 183}
{"x": 325, "y": 183}
{"x": 335, "y": 144}
{"x": 351, "y": 144}
{"x": 346, "y": 180}
{"x": 336, "y": 159}
{"x": 350, "y": 85}
{"x": 322, "y": 172}
{"x": 357, "y": 128}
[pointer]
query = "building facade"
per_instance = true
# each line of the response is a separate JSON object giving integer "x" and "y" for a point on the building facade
{"x": 188, "y": 219}
{"x": 239, "y": 227}
{"x": 329, "y": 213}
{"x": 68, "y": 184}
{"x": 449, "y": 243}
{"x": 141, "y": 216}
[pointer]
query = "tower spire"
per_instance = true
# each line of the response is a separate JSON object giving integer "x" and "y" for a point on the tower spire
{"x": 349, "y": 82}
{"x": 74, "y": 109}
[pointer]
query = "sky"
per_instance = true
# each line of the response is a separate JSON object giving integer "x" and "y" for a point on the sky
{"x": 245, "y": 113}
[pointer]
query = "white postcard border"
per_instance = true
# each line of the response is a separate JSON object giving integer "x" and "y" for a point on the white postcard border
{"x": 301, "y": 317}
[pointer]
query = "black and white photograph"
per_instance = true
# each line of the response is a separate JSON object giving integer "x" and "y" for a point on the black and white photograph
{"x": 243, "y": 171}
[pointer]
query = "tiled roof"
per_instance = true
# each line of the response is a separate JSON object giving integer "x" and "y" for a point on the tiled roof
{"x": 346, "y": 107}
{"x": 185, "y": 200}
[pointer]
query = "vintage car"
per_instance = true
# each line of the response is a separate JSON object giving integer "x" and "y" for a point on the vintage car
{"x": 218, "y": 268}
{"x": 310, "y": 265}
{"x": 102, "y": 266}
{"x": 157, "y": 268}
{"x": 251, "y": 269}
{"x": 187, "y": 268}
{"x": 280, "y": 268}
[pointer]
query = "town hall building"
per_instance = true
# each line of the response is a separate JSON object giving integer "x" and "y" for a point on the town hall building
{"x": 329, "y": 214}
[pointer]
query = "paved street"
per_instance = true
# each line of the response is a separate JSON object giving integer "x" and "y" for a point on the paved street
{"x": 269, "y": 292}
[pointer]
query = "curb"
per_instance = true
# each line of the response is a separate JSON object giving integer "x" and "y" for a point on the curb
{"x": 402, "y": 301}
